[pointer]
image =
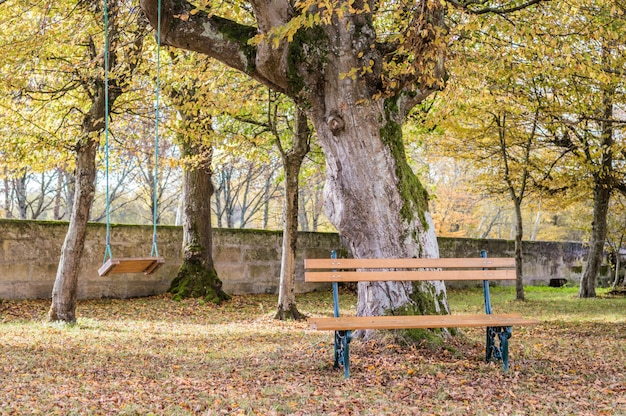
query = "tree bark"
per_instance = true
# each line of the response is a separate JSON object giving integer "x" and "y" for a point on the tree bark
{"x": 603, "y": 187}
{"x": 618, "y": 261}
{"x": 372, "y": 196}
{"x": 64, "y": 291}
{"x": 197, "y": 276}
{"x": 20, "y": 194}
{"x": 378, "y": 205}
{"x": 601, "y": 197}
{"x": 519, "y": 256}
{"x": 292, "y": 161}
{"x": 8, "y": 213}
{"x": 516, "y": 188}
{"x": 58, "y": 196}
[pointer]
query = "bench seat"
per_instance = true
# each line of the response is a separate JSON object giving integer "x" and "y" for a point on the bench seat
{"x": 351, "y": 323}
{"x": 335, "y": 271}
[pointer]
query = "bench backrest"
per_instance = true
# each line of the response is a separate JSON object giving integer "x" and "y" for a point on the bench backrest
{"x": 368, "y": 270}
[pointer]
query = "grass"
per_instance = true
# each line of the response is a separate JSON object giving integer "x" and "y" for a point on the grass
{"x": 157, "y": 356}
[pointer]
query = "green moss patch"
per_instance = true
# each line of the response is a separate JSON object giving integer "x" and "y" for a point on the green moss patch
{"x": 195, "y": 280}
{"x": 411, "y": 190}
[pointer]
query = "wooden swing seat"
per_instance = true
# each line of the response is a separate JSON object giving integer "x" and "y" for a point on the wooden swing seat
{"x": 146, "y": 265}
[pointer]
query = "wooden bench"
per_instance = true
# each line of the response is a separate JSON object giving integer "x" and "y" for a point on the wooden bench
{"x": 448, "y": 269}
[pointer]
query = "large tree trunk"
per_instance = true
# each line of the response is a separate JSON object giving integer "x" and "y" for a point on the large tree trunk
{"x": 197, "y": 276}
{"x": 378, "y": 205}
{"x": 292, "y": 161}
{"x": 372, "y": 196}
{"x": 64, "y": 291}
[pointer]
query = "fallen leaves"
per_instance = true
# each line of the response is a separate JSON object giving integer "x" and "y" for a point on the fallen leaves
{"x": 154, "y": 355}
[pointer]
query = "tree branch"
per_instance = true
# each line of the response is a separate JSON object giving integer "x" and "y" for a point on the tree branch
{"x": 621, "y": 187}
{"x": 217, "y": 37}
{"x": 468, "y": 6}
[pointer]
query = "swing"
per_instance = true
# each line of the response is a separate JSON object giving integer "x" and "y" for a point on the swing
{"x": 146, "y": 265}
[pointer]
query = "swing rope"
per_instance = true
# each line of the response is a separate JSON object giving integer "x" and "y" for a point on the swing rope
{"x": 107, "y": 251}
{"x": 154, "y": 251}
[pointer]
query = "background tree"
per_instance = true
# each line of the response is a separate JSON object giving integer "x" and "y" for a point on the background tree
{"x": 285, "y": 128}
{"x": 292, "y": 162}
{"x": 197, "y": 276}
{"x": 560, "y": 83}
{"x": 123, "y": 57}
{"x": 55, "y": 71}
{"x": 246, "y": 185}
{"x": 587, "y": 89}
{"x": 490, "y": 116}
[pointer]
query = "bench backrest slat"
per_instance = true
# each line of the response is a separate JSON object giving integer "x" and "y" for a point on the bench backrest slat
{"x": 409, "y": 275}
{"x": 370, "y": 270}
{"x": 448, "y": 263}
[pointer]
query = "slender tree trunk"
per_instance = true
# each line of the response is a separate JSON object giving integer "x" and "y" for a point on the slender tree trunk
{"x": 69, "y": 192}
{"x": 266, "y": 210}
{"x": 20, "y": 193}
{"x": 218, "y": 208}
{"x": 65, "y": 289}
{"x": 519, "y": 257}
{"x": 292, "y": 161}
{"x": 601, "y": 197}
{"x": 490, "y": 225}
{"x": 197, "y": 276}
{"x": 318, "y": 206}
{"x": 64, "y": 292}
{"x": 603, "y": 187}
{"x": 8, "y": 212}
{"x": 618, "y": 261}
{"x": 303, "y": 218}
{"x": 58, "y": 195}
{"x": 533, "y": 234}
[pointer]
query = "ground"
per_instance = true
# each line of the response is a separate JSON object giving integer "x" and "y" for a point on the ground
{"x": 158, "y": 356}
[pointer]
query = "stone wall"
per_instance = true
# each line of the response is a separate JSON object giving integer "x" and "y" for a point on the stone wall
{"x": 247, "y": 261}
{"x": 543, "y": 260}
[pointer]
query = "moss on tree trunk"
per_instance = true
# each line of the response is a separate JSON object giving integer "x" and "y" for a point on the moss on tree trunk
{"x": 423, "y": 301}
{"x": 290, "y": 312}
{"x": 195, "y": 280}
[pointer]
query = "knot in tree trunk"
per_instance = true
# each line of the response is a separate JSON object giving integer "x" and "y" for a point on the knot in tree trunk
{"x": 335, "y": 123}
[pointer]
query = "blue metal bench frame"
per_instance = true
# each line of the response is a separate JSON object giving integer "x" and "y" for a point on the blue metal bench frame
{"x": 497, "y": 338}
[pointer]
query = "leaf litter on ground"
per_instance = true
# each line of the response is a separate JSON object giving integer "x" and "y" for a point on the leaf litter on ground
{"x": 158, "y": 356}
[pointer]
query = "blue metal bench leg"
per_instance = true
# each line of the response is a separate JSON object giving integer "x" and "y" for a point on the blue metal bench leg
{"x": 342, "y": 351}
{"x": 501, "y": 352}
{"x": 504, "y": 347}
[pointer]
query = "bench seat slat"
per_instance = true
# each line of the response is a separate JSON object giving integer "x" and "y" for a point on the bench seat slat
{"x": 418, "y": 321}
{"x": 408, "y": 275}
{"x": 410, "y": 263}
